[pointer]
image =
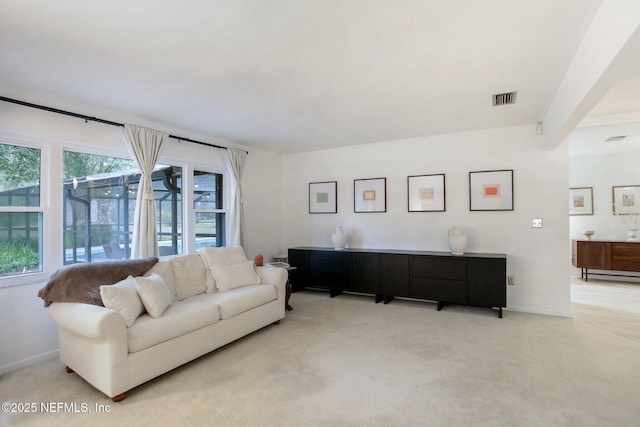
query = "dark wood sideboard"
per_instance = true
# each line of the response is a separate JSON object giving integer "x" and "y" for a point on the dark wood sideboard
{"x": 605, "y": 255}
{"x": 469, "y": 279}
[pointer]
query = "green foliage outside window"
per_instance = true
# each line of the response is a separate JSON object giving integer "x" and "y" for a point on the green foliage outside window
{"x": 18, "y": 256}
{"x": 19, "y": 167}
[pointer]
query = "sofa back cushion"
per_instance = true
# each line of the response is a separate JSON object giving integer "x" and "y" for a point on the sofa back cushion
{"x": 235, "y": 276}
{"x": 189, "y": 275}
{"x": 213, "y": 257}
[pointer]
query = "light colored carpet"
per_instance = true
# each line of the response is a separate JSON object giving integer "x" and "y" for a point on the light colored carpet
{"x": 349, "y": 362}
{"x": 608, "y": 305}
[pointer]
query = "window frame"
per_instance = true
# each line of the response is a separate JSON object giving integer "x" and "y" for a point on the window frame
{"x": 51, "y": 196}
{"x": 43, "y": 209}
{"x": 217, "y": 211}
{"x": 189, "y": 239}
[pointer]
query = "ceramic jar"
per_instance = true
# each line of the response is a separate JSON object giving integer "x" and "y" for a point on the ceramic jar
{"x": 457, "y": 240}
{"x": 339, "y": 239}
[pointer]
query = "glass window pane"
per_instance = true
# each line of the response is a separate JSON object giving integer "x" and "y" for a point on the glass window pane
{"x": 20, "y": 243}
{"x": 167, "y": 184}
{"x": 19, "y": 176}
{"x": 207, "y": 190}
{"x": 100, "y": 201}
{"x": 209, "y": 229}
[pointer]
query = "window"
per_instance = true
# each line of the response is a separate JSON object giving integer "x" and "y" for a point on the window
{"x": 99, "y": 207}
{"x": 20, "y": 210}
{"x": 207, "y": 206}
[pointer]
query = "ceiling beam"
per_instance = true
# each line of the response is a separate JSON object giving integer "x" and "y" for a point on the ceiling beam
{"x": 608, "y": 49}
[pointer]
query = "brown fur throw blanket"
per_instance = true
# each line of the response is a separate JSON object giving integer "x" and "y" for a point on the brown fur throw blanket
{"x": 81, "y": 282}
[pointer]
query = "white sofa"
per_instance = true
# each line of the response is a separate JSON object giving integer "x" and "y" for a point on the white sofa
{"x": 214, "y": 297}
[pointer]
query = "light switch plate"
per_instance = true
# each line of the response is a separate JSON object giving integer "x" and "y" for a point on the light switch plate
{"x": 536, "y": 223}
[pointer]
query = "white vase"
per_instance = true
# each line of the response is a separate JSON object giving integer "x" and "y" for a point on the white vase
{"x": 339, "y": 239}
{"x": 457, "y": 240}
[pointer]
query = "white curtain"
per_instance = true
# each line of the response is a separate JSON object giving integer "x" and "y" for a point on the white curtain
{"x": 236, "y": 160}
{"x": 144, "y": 145}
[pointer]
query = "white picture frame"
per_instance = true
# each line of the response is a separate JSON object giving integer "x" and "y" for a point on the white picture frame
{"x": 426, "y": 193}
{"x": 323, "y": 197}
{"x": 370, "y": 195}
{"x": 491, "y": 190}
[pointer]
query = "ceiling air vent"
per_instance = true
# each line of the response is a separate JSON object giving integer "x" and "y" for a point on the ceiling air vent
{"x": 615, "y": 138}
{"x": 504, "y": 98}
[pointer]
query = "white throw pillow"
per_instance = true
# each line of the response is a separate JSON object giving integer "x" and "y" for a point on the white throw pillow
{"x": 216, "y": 256}
{"x": 154, "y": 294}
{"x": 234, "y": 276}
{"x": 123, "y": 298}
{"x": 165, "y": 269}
{"x": 189, "y": 274}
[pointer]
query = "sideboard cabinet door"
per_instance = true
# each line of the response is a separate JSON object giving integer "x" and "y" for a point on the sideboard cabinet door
{"x": 596, "y": 255}
{"x": 487, "y": 281}
{"x": 394, "y": 275}
{"x": 299, "y": 278}
{"x": 366, "y": 272}
{"x": 331, "y": 269}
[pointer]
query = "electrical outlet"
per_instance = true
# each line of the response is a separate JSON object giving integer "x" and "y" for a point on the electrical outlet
{"x": 511, "y": 280}
{"x": 536, "y": 223}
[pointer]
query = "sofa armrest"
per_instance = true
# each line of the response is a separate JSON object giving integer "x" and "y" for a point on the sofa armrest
{"x": 272, "y": 275}
{"x": 92, "y": 342}
{"x": 275, "y": 276}
{"x": 90, "y": 321}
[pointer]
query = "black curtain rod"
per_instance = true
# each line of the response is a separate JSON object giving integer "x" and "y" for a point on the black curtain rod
{"x": 95, "y": 119}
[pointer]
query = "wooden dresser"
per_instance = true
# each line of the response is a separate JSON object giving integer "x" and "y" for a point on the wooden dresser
{"x": 605, "y": 255}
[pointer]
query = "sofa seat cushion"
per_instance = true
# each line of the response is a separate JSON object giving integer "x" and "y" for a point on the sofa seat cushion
{"x": 231, "y": 303}
{"x": 179, "y": 318}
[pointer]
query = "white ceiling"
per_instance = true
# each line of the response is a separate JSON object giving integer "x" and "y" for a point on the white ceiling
{"x": 293, "y": 75}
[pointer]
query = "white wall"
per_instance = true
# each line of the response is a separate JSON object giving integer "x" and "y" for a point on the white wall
{"x": 276, "y": 209}
{"x": 27, "y": 334}
{"x": 538, "y": 258}
{"x": 602, "y": 173}
{"x": 263, "y": 204}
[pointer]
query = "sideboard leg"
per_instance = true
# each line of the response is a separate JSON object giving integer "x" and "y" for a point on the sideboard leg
{"x": 500, "y": 312}
{"x": 440, "y": 304}
{"x": 379, "y": 298}
{"x": 388, "y": 299}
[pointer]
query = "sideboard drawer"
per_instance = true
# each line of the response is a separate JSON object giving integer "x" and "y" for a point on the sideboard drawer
{"x": 625, "y": 256}
{"x": 439, "y": 289}
{"x": 439, "y": 267}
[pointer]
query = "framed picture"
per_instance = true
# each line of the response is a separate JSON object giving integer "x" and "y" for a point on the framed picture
{"x": 581, "y": 201}
{"x": 426, "y": 193}
{"x": 370, "y": 195}
{"x": 491, "y": 190}
{"x": 323, "y": 197}
{"x": 626, "y": 199}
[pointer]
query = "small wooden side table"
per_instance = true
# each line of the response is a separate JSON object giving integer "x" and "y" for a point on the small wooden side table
{"x": 289, "y": 269}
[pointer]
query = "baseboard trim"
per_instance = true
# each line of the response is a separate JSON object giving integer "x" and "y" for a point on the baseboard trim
{"x": 537, "y": 311}
{"x": 28, "y": 362}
